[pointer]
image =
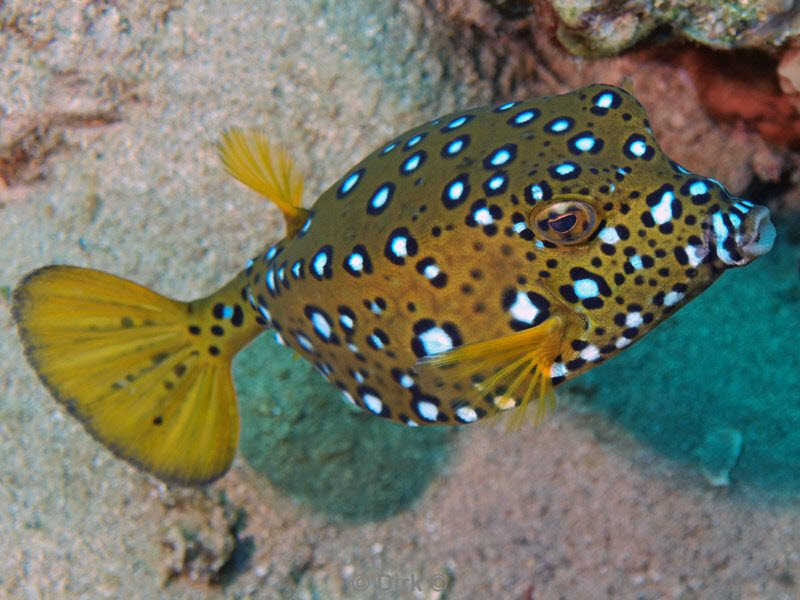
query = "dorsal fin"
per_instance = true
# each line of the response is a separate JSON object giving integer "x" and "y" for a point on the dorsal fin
{"x": 250, "y": 157}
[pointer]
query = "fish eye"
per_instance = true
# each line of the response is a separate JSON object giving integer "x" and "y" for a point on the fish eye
{"x": 565, "y": 223}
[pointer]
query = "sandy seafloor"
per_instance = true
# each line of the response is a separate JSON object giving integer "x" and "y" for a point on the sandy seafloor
{"x": 611, "y": 498}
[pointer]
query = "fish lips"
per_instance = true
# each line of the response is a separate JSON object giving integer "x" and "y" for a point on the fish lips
{"x": 758, "y": 234}
{"x": 738, "y": 245}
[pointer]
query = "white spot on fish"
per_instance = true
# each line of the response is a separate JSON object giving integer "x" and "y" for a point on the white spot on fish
{"x": 698, "y": 188}
{"x": 634, "y": 319}
{"x": 662, "y": 212}
{"x": 427, "y": 410}
{"x": 560, "y": 125}
{"x": 586, "y": 288}
{"x": 672, "y": 298}
{"x": 466, "y": 414}
{"x": 350, "y": 183}
{"x": 399, "y": 246}
{"x": 455, "y": 147}
{"x": 609, "y": 235}
{"x": 271, "y": 281}
{"x": 355, "y": 262}
{"x": 431, "y": 271}
{"x": 524, "y": 117}
{"x": 380, "y": 197}
{"x": 482, "y": 216}
{"x": 638, "y": 148}
{"x": 504, "y": 402}
{"x": 523, "y": 309}
{"x": 319, "y": 262}
{"x": 585, "y": 144}
{"x": 373, "y": 403}
{"x": 536, "y": 192}
{"x": 455, "y": 123}
{"x": 304, "y": 342}
{"x": 321, "y": 325}
{"x": 565, "y": 168}
{"x": 695, "y": 254}
{"x": 500, "y": 158}
{"x": 435, "y": 340}
{"x": 605, "y": 100}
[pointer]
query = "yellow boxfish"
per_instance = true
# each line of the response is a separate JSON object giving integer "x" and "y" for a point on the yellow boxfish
{"x": 463, "y": 269}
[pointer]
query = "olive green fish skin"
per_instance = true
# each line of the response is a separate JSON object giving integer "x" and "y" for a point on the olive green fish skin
{"x": 431, "y": 242}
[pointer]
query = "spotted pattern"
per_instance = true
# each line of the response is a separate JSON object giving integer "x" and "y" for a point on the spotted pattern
{"x": 322, "y": 324}
{"x": 437, "y": 243}
{"x": 455, "y": 147}
{"x": 536, "y": 192}
{"x": 585, "y": 142}
{"x": 484, "y": 215}
{"x": 400, "y": 245}
{"x": 380, "y": 199}
{"x": 523, "y": 118}
{"x": 430, "y": 338}
{"x": 306, "y": 226}
{"x": 412, "y": 164}
{"x": 525, "y": 308}
{"x": 496, "y": 185}
{"x": 349, "y": 184}
{"x": 636, "y": 147}
{"x": 560, "y": 125}
{"x": 358, "y": 262}
{"x": 564, "y": 171}
{"x": 456, "y": 123}
{"x": 321, "y": 264}
{"x": 428, "y": 268}
{"x": 456, "y": 191}
{"x": 500, "y": 157}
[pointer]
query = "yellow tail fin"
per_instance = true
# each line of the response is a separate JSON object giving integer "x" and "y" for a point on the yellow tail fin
{"x": 145, "y": 374}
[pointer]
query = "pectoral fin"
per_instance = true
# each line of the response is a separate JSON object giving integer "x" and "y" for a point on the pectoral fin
{"x": 507, "y": 372}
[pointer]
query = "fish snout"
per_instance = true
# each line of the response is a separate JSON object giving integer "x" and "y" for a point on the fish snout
{"x": 741, "y": 235}
{"x": 758, "y": 233}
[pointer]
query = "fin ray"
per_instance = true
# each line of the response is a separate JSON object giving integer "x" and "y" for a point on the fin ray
{"x": 250, "y": 157}
{"x": 504, "y": 366}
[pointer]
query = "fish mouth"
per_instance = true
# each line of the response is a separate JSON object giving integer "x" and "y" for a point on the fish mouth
{"x": 736, "y": 240}
{"x": 759, "y": 233}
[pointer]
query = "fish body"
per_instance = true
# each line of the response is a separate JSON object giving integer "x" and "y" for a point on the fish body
{"x": 462, "y": 269}
{"x": 432, "y": 242}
